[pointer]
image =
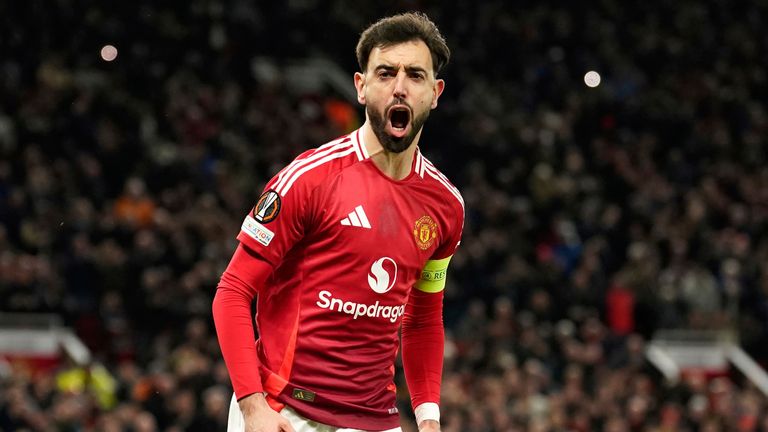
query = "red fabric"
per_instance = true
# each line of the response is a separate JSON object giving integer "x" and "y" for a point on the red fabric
{"x": 620, "y": 310}
{"x": 347, "y": 244}
{"x": 423, "y": 339}
{"x": 240, "y": 282}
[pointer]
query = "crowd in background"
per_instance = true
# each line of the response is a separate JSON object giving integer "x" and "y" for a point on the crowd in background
{"x": 595, "y": 216}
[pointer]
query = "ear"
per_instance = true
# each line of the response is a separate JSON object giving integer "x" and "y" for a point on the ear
{"x": 438, "y": 90}
{"x": 360, "y": 87}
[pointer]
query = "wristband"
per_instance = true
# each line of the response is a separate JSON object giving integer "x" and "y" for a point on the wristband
{"x": 427, "y": 411}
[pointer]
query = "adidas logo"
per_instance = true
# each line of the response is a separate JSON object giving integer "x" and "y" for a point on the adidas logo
{"x": 357, "y": 218}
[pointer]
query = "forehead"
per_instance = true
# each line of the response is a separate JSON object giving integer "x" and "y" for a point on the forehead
{"x": 410, "y": 53}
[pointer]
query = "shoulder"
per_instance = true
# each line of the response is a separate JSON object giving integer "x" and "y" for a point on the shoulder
{"x": 313, "y": 167}
{"x": 442, "y": 185}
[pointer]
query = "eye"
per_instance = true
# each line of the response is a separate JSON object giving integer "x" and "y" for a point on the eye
{"x": 386, "y": 74}
{"x": 417, "y": 76}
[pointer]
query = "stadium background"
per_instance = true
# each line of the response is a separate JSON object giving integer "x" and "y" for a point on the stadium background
{"x": 595, "y": 216}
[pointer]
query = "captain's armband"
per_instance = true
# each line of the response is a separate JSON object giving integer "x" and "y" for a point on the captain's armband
{"x": 433, "y": 275}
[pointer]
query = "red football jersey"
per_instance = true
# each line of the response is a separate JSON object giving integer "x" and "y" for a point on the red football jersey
{"x": 347, "y": 244}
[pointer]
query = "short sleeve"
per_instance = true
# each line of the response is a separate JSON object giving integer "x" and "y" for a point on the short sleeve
{"x": 434, "y": 273}
{"x": 452, "y": 240}
{"x": 278, "y": 220}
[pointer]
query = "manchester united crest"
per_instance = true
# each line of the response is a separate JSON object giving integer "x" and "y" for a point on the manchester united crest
{"x": 425, "y": 232}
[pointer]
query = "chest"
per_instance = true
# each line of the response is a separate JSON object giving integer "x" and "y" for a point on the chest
{"x": 365, "y": 218}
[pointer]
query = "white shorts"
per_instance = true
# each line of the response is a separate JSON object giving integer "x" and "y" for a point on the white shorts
{"x": 299, "y": 423}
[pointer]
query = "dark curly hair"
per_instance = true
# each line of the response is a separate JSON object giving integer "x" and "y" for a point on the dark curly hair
{"x": 400, "y": 28}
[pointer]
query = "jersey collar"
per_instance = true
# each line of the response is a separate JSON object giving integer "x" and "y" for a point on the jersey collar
{"x": 418, "y": 162}
{"x": 359, "y": 145}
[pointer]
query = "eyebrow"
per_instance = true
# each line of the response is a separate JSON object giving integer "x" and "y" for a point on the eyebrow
{"x": 408, "y": 69}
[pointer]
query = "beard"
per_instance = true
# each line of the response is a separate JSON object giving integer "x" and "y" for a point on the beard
{"x": 391, "y": 143}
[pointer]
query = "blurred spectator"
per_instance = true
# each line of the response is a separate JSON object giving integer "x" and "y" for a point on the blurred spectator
{"x": 93, "y": 380}
{"x": 134, "y": 207}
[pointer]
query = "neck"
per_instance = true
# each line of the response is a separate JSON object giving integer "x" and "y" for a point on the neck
{"x": 397, "y": 166}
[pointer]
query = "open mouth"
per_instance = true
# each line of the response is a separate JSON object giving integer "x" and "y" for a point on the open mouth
{"x": 399, "y": 117}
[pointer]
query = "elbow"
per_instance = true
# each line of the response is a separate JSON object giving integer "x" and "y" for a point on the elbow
{"x": 231, "y": 292}
{"x": 415, "y": 322}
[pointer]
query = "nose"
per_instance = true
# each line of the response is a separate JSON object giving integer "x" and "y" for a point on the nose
{"x": 400, "y": 82}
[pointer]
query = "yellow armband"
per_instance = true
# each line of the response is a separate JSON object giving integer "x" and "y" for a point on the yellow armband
{"x": 433, "y": 275}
